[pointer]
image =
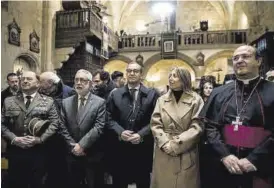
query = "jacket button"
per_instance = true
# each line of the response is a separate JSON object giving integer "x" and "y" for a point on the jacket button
{"x": 180, "y": 142}
{"x": 25, "y": 134}
{"x": 25, "y": 125}
{"x": 161, "y": 134}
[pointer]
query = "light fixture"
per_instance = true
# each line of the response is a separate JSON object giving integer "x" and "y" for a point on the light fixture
{"x": 163, "y": 9}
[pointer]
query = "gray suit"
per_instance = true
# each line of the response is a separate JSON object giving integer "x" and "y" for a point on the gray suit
{"x": 85, "y": 129}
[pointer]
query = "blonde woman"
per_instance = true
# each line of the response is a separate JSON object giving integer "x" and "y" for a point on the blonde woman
{"x": 176, "y": 128}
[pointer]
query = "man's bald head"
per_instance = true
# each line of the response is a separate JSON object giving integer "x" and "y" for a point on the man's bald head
{"x": 248, "y": 48}
{"x": 245, "y": 62}
{"x": 29, "y": 82}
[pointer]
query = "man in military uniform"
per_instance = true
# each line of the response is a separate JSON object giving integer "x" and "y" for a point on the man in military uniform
{"x": 26, "y": 153}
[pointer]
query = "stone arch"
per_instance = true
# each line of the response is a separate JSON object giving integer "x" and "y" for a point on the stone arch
{"x": 30, "y": 59}
{"x": 223, "y": 53}
{"x": 219, "y": 65}
{"x": 121, "y": 58}
{"x": 157, "y": 57}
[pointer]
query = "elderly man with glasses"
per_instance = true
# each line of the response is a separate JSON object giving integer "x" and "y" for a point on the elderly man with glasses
{"x": 83, "y": 115}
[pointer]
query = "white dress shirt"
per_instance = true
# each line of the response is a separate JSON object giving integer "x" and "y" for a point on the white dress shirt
{"x": 32, "y": 97}
{"x": 85, "y": 101}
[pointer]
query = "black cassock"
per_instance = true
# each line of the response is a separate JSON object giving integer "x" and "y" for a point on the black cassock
{"x": 254, "y": 139}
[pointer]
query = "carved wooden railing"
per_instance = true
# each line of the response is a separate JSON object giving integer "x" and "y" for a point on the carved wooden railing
{"x": 85, "y": 22}
{"x": 184, "y": 40}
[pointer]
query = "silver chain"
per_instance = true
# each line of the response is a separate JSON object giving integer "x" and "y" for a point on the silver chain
{"x": 237, "y": 107}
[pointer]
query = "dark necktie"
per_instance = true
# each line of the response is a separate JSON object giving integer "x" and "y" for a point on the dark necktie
{"x": 82, "y": 105}
{"x": 132, "y": 93}
{"x": 28, "y": 101}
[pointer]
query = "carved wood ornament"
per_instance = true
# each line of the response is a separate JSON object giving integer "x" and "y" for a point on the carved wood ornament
{"x": 14, "y": 33}
{"x": 34, "y": 41}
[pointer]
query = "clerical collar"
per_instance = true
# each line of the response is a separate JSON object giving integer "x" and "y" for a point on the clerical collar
{"x": 247, "y": 81}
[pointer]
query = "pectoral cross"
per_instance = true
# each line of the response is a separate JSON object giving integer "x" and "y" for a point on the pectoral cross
{"x": 237, "y": 123}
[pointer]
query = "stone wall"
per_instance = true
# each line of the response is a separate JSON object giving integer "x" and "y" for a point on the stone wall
{"x": 28, "y": 15}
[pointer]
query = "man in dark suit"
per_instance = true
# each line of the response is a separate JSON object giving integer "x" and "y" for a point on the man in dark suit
{"x": 84, "y": 117}
{"x": 129, "y": 112}
{"x": 12, "y": 89}
{"x": 26, "y": 152}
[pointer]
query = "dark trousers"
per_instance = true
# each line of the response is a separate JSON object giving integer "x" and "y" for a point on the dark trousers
{"x": 26, "y": 167}
{"x": 141, "y": 180}
{"x": 57, "y": 169}
{"x": 82, "y": 172}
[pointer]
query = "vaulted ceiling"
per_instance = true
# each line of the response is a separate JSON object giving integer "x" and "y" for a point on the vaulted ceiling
{"x": 122, "y": 9}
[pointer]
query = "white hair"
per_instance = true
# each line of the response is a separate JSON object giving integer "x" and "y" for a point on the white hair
{"x": 89, "y": 75}
{"x": 51, "y": 76}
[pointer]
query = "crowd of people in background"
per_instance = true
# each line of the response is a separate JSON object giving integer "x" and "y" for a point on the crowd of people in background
{"x": 110, "y": 130}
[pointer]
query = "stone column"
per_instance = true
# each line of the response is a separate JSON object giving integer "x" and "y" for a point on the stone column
{"x": 48, "y": 34}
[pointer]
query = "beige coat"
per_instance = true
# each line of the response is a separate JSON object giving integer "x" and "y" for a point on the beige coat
{"x": 178, "y": 124}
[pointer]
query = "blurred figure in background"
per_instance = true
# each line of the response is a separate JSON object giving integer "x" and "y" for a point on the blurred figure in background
{"x": 12, "y": 89}
{"x": 207, "y": 84}
{"x": 102, "y": 85}
{"x": 270, "y": 76}
{"x": 118, "y": 78}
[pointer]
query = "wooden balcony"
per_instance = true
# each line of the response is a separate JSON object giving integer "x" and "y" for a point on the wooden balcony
{"x": 187, "y": 40}
{"x": 74, "y": 25}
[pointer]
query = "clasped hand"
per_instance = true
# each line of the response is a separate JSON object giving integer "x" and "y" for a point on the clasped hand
{"x": 238, "y": 166}
{"x": 77, "y": 149}
{"x": 168, "y": 149}
{"x": 26, "y": 141}
{"x": 130, "y": 136}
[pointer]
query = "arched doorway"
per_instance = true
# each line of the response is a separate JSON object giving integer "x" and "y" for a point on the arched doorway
{"x": 157, "y": 75}
{"x": 116, "y": 65}
{"x": 219, "y": 65}
{"x": 24, "y": 62}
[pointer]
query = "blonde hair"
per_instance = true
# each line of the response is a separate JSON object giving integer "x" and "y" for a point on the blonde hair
{"x": 184, "y": 76}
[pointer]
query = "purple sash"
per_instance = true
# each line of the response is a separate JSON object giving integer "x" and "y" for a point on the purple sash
{"x": 248, "y": 137}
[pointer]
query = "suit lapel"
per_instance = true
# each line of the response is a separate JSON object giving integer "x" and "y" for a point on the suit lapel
{"x": 85, "y": 110}
{"x": 20, "y": 101}
{"x": 177, "y": 110}
{"x": 36, "y": 100}
{"x": 184, "y": 104}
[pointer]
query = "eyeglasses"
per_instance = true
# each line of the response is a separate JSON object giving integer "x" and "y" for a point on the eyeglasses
{"x": 81, "y": 80}
{"x": 135, "y": 71}
{"x": 243, "y": 56}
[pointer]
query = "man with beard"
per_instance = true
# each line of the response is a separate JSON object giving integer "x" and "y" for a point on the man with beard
{"x": 240, "y": 126}
{"x": 26, "y": 152}
{"x": 131, "y": 145}
{"x": 51, "y": 85}
{"x": 12, "y": 89}
{"x": 84, "y": 117}
{"x": 102, "y": 85}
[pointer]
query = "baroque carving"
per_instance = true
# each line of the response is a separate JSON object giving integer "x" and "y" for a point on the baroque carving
{"x": 14, "y": 33}
{"x": 34, "y": 42}
{"x": 200, "y": 59}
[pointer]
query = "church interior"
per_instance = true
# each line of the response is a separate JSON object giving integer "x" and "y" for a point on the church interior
{"x": 64, "y": 36}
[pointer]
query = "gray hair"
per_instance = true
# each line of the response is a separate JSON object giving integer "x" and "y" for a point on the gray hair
{"x": 51, "y": 76}
{"x": 89, "y": 75}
